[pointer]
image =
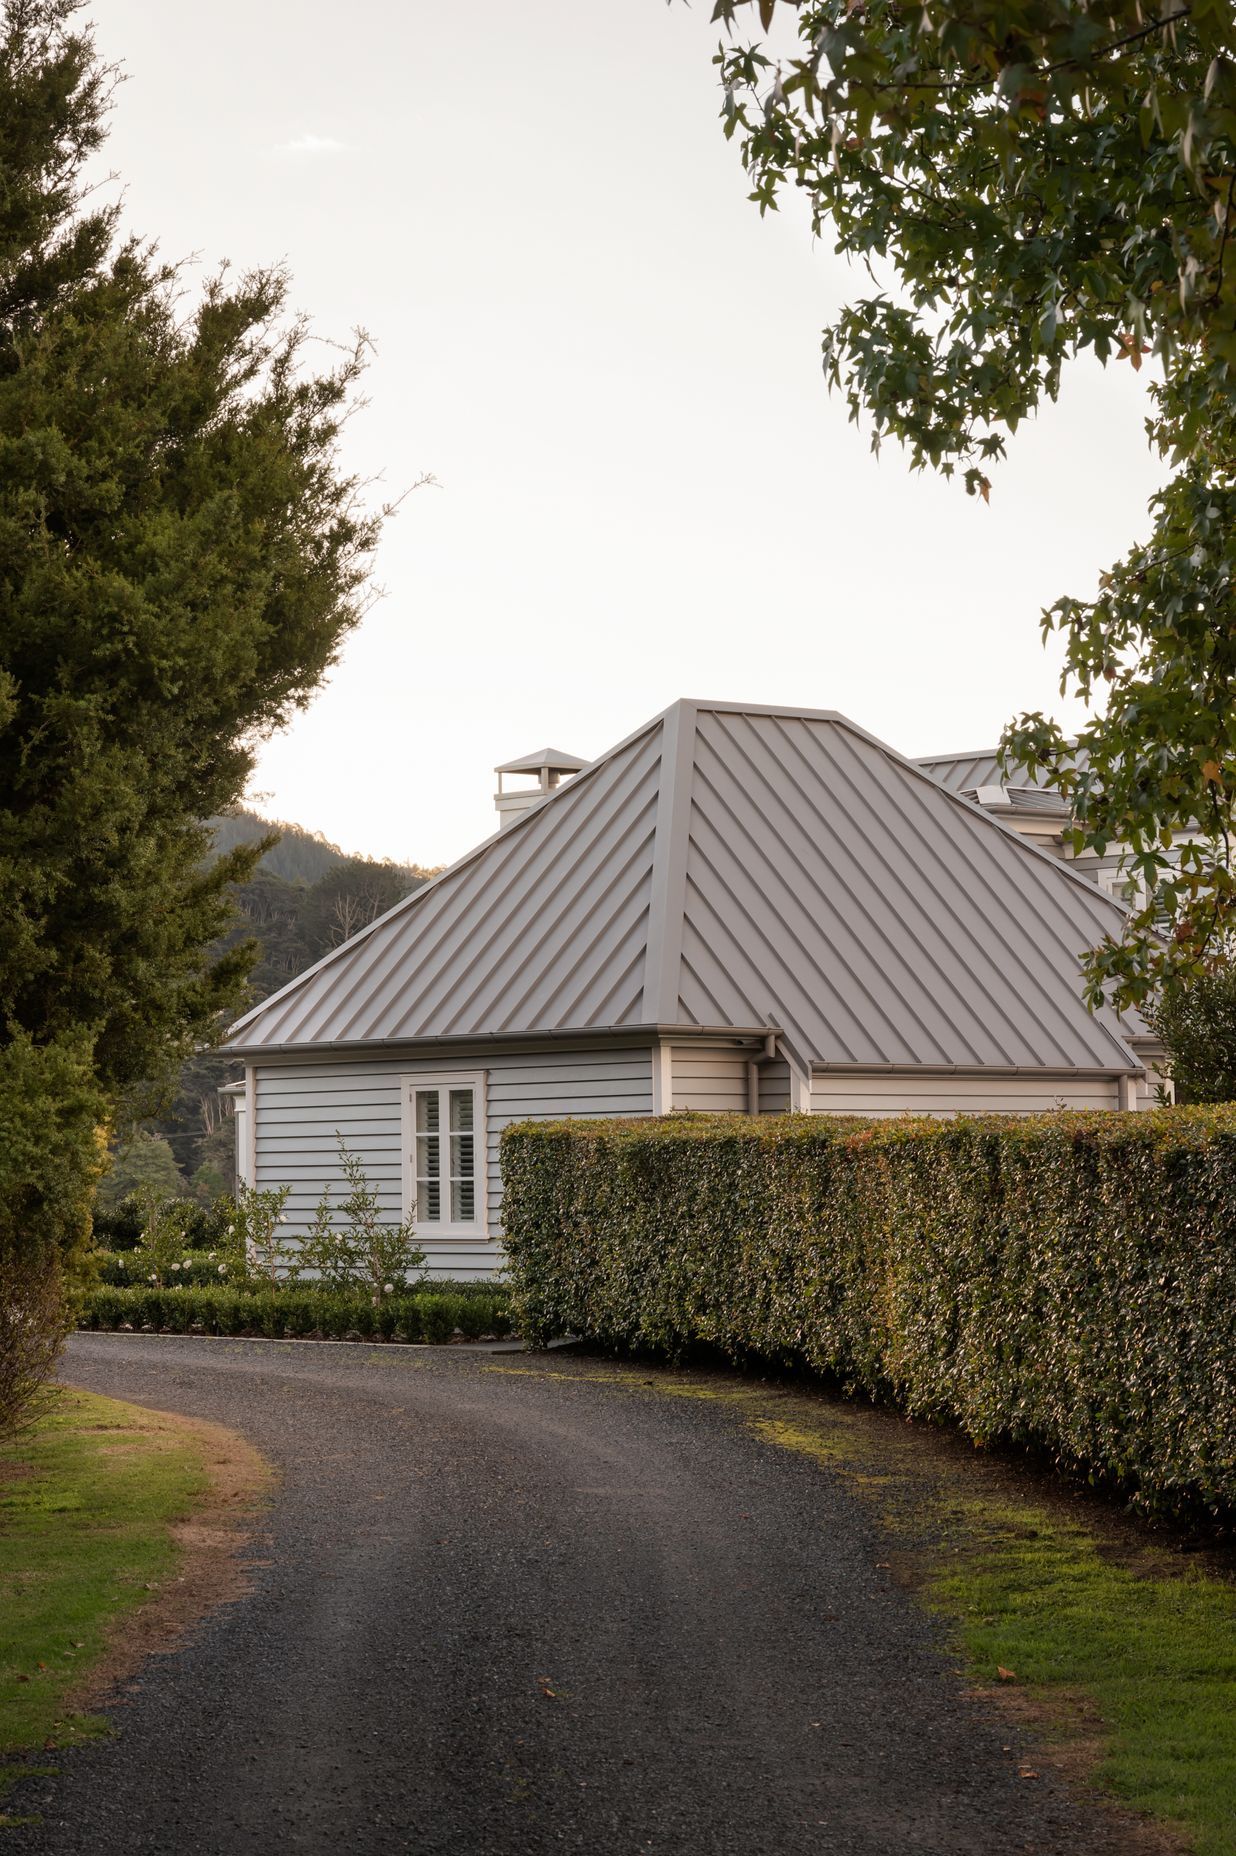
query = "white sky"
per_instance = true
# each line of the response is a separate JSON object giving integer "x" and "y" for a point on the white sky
{"x": 611, "y": 365}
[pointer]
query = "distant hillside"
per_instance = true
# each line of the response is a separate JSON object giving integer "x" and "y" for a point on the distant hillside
{"x": 305, "y": 897}
{"x": 299, "y": 857}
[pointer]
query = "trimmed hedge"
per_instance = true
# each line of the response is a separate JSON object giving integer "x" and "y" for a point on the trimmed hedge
{"x": 200, "y": 1270}
{"x": 292, "y": 1314}
{"x": 1066, "y": 1280}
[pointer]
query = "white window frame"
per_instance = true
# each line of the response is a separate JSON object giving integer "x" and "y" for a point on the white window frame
{"x": 430, "y": 1230}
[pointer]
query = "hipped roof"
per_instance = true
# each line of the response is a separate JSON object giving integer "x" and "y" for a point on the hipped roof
{"x": 963, "y": 773}
{"x": 735, "y": 865}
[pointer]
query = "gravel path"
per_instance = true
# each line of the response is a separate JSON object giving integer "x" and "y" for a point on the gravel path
{"x": 534, "y": 1610}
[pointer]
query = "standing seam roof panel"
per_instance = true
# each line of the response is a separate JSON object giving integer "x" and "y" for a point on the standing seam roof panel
{"x": 528, "y": 941}
{"x": 961, "y": 773}
{"x": 897, "y": 982}
{"x": 987, "y": 932}
{"x": 479, "y": 935}
{"x": 892, "y": 982}
{"x": 777, "y": 865}
{"x": 1070, "y": 918}
{"x": 952, "y": 834}
{"x": 402, "y": 978}
{"x": 889, "y": 835}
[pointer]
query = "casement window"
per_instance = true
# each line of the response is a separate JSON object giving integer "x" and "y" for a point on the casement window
{"x": 444, "y": 1154}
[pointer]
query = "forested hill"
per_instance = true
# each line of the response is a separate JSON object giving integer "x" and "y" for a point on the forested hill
{"x": 300, "y": 856}
{"x": 305, "y": 897}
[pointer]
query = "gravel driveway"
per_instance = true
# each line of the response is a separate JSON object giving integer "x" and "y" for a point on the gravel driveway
{"x": 541, "y": 1609}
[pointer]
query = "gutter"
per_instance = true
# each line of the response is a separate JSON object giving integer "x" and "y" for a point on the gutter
{"x": 634, "y": 1034}
{"x": 975, "y": 1069}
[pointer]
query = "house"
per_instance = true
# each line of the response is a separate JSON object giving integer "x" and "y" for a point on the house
{"x": 740, "y": 908}
{"x": 1041, "y": 814}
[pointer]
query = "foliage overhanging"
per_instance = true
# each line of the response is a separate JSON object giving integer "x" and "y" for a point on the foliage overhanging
{"x": 1027, "y": 181}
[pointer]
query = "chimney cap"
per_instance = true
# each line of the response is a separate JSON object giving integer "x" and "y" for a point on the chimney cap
{"x": 551, "y": 759}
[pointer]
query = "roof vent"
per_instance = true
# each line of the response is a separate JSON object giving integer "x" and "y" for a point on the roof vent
{"x": 547, "y": 767}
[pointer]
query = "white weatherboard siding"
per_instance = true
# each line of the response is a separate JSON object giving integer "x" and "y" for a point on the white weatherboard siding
{"x": 710, "y": 1079}
{"x": 842, "y": 1094}
{"x": 775, "y": 1087}
{"x": 303, "y": 1103}
{"x": 1149, "y": 1085}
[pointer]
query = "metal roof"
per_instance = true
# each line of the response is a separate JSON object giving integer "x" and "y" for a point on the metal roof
{"x": 553, "y": 758}
{"x": 963, "y": 773}
{"x": 736, "y": 865}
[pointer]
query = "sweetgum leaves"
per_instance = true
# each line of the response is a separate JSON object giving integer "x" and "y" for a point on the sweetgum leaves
{"x": 1033, "y": 180}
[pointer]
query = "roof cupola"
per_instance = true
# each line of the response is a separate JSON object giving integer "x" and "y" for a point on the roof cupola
{"x": 547, "y": 767}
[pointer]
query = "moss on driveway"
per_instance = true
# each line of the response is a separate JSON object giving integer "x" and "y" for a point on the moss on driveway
{"x": 100, "y": 1512}
{"x": 1113, "y": 1642}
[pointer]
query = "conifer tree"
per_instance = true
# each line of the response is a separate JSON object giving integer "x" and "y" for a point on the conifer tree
{"x": 180, "y": 557}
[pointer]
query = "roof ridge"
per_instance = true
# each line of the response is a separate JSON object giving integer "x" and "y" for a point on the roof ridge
{"x": 666, "y": 899}
{"x": 1010, "y": 831}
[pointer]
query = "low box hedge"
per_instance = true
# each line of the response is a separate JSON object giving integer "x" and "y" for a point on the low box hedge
{"x": 199, "y": 1269}
{"x": 299, "y": 1313}
{"x": 1066, "y": 1280}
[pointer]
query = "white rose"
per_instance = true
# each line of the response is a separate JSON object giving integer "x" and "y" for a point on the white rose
{"x": 223, "y": 1269}
{"x": 388, "y": 1288}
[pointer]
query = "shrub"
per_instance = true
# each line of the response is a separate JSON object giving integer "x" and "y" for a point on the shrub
{"x": 52, "y": 1149}
{"x": 437, "y": 1314}
{"x": 296, "y": 1312}
{"x": 192, "y": 1269}
{"x": 1197, "y": 1021}
{"x": 32, "y": 1323}
{"x": 163, "y": 1244}
{"x": 1067, "y": 1280}
{"x": 120, "y": 1229}
{"x": 363, "y": 1249}
{"x": 250, "y": 1255}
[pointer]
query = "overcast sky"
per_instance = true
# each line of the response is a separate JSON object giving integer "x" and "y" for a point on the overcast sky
{"x": 611, "y": 365}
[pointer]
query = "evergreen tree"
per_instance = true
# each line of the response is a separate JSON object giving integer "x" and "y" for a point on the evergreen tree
{"x": 1196, "y": 1019}
{"x": 180, "y": 557}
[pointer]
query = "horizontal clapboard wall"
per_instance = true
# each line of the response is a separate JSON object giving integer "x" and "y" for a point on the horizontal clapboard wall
{"x": 710, "y": 1079}
{"x": 775, "y": 1087}
{"x": 839, "y": 1093}
{"x": 302, "y": 1106}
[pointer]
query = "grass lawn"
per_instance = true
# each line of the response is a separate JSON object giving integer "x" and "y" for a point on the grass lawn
{"x": 1151, "y": 1645}
{"x": 1113, "y": 1643}
{"x": 87, "y": 1497}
